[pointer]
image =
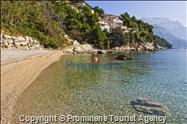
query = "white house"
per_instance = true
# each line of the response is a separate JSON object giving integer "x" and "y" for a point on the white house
{"x": 109, "y": 22}
{"x": 115, "y": 22}
{"x": 104, "y": 25}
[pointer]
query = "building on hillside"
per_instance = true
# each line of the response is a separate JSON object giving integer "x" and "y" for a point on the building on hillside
{"x": 124, "y": 29}
{"x": 104, "y": 23}
{"x": 104, "y": 26}
{"x": 115, "y": 21}
{"x": 109, "y": 22}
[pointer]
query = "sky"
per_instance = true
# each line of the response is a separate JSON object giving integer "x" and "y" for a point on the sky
{"x": 173, "y": 10}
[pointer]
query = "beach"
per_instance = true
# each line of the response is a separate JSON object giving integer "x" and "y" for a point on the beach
{"x": 18, "y": 69}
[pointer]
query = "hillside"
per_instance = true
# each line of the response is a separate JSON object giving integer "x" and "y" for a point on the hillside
{"x": 57, "y": 23}
{"x": 49, "y": 22}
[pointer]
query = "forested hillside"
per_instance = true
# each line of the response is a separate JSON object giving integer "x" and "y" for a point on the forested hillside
{"x": 50, "y": 21}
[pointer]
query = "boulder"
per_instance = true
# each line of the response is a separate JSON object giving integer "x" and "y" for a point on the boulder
{"x": 148, "y": 107}
{"x": 37, "y": 46}
{"x": 150, "y": 110}
{"x": 10, "y": 41}
{"x": 7, "y": 36}
{"x": 87, "y": 47}
{"x": 144, "y": 102}
{"x": 35, "y": 41}
{"x": 149, "y": 46}
{"x": 100, "y": 52}
{"x": 14, "y": 38}
{"x": 68, "y": 50}
{"x": 24, "y": 43}
{"x": 122, "y": 57}
{"x": 4, "y": 46}
{"x": 140, "y": 48}
{"x": 115, "y": 48}
{"x": 78, "y": 49}
{"x": 76, "y": 43}
{"x": 27, "y": 38}
{"x": 20, "y": 38}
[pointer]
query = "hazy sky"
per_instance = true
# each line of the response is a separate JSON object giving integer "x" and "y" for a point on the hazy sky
{"x": 176, "y": 11}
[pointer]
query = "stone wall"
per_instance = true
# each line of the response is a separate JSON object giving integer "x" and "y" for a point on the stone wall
{"x": 19, "y": 42}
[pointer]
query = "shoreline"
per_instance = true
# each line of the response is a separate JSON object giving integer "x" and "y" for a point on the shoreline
{"x": 23, "y": 71}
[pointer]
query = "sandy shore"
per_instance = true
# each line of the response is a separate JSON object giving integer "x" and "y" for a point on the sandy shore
{"x": 18, "y": 70}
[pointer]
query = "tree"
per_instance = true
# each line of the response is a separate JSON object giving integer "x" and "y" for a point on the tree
{"x": 117, "y": 38}
{"x": 158, "y": 41}
{"x": 126, "y": 19}
{"x": 98, "y": 38}
{"x": 98, "y": 10}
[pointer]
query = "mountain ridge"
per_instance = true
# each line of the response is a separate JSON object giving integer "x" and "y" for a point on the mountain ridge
{"x": 173, "y": 31}
{"x": 174, "y": 27}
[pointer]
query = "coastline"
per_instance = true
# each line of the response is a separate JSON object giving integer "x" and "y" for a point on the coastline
{"x": 23, "y": 66}
{"x": 23, "y": 71}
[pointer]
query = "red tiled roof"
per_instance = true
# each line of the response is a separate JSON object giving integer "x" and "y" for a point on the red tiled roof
{"x": 104, "y": 19}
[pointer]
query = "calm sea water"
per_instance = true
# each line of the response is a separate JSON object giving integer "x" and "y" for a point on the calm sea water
{"x": 76, "y": 85}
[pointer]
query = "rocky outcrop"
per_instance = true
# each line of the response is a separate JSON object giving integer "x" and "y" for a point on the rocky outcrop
{"x": 148, "y": 46}
{"x": 19, "y": 42}
{"x": 100, "y": 52}
{"x": 148, "y": 107}
{"x": 124, "y": 48}
{"x": 122, "y": 57}
{"x": 137, "y": 47}
{"x": 79, "y": 48}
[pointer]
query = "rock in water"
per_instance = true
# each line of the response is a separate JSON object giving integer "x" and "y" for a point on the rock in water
{"x": 100, "y": 52}
{"x": 144, "y": 102}
{"x": 148, "y": 107}
{"x": 150, "y": 110}
{"x": 122, "y": 57}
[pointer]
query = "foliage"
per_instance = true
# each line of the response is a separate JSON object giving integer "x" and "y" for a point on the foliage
{"x": 82, "y": 24}
{"x": 161, "y": 42}
{"x": 141, "y": 32}
{"x": 49, "y": 21}
{"x": 34, "y": 19}
{"x": 100, "y": 11}
{"x": 117, "y": 38}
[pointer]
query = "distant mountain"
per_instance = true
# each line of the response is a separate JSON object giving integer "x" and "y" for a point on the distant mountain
{"x": 174, "y": 27}
{"x": 172, "y": 31}
{"x": 175, "y": 41}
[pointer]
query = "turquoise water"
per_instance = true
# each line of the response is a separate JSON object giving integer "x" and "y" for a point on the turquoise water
{"x": 76, "y": 85}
